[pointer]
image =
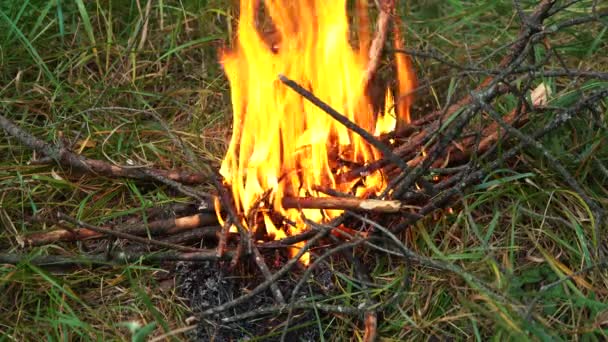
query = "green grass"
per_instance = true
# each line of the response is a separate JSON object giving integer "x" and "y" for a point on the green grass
{"x": 107, "y": 77}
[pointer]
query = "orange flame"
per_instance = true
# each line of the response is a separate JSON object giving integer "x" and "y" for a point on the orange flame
{"x": 282, "y": 144}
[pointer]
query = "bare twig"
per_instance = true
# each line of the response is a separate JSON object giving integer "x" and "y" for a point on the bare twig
{"x": 259, "y": 260}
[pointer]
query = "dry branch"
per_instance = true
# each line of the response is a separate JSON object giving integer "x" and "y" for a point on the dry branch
{"x": 114, "y": 258}
{"x": 342, "y": 203}
{"x": 66, "y": 158}
{"x": 130, "y": 237}
{"x": 161, "y": 227}
{"x": 467, "y": 178}
{"x": 386, "y": 8}
{"x": 194, "y": 236}
{"x": 259, "y": 261}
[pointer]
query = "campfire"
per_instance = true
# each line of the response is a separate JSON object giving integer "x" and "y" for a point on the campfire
{"x": 283, "y": 147}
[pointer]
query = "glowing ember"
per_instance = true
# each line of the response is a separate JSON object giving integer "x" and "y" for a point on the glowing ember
{"x": 282, "y": 145}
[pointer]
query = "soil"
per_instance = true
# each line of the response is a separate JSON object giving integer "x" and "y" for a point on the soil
{"x": 209, "y": 284}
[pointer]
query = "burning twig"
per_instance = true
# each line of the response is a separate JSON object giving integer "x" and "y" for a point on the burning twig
{"x": 223, "y": 240}
{"x": 290, "y": 240}
{"x": 385, "y": 150}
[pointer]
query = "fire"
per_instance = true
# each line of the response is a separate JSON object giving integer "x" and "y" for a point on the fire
{"x": 281, "y": 144}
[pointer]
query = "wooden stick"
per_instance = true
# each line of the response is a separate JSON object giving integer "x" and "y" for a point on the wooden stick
{"x": 371, "y": 326}
{"x": 115, "y": 258}
{"x": 340, "y": 203}
{"x": 161, "y": 227}
{"x": 259, "y": 260}
{"x": 194, "y": 238}
{"x": 66, "y": 158}
{"x": 126, "y": 236}
{"x": 386, "y": 8}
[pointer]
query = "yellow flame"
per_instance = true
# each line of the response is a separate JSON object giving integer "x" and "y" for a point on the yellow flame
{"x": 281, "y": 142}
